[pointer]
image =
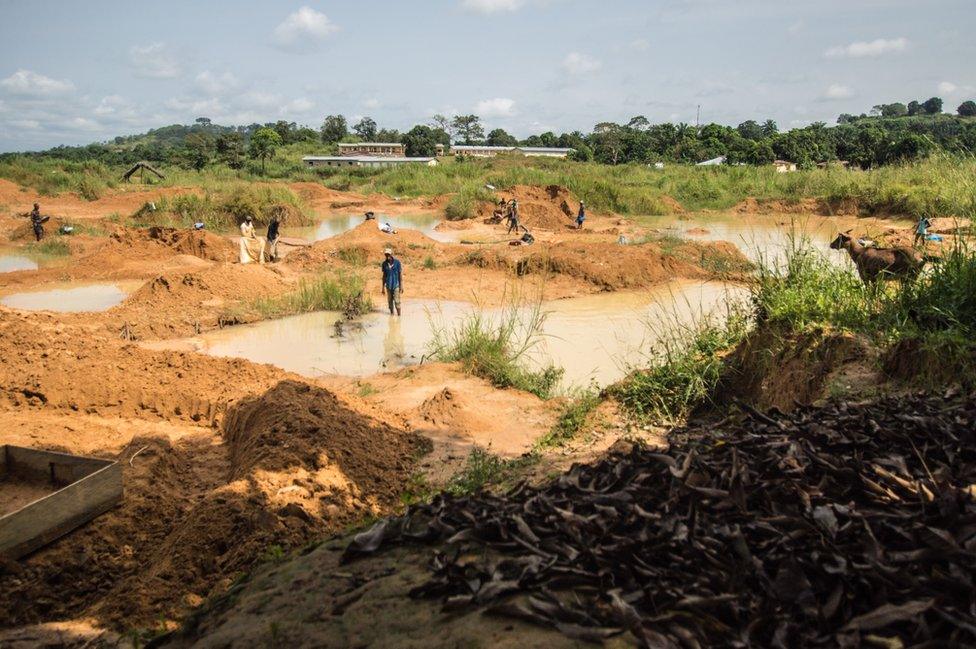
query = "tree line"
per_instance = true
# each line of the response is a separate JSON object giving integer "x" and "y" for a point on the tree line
{"x": 890, "y": 133}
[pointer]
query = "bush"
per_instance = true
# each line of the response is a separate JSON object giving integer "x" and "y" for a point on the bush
{"x": 343, "y": 292}
{"x": 497, "y": 351}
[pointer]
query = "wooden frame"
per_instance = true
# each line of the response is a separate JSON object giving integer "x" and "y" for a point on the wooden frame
{"x": 86, "y": 487}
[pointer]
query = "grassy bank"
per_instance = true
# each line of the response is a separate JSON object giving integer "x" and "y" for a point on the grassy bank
{"x": 933, "y": 319}
{"x": 497, "y": 349}
{"x": 343, "y": 292}
{"x": 942, "y": 185}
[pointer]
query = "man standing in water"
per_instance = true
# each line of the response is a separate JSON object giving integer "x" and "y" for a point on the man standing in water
{"x": 392, "y": 280}
{"x": 37, "y": 221}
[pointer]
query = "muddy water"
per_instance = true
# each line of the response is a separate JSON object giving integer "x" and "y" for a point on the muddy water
{"x": 332, "y": 226}
{"x": 594, "y": 338}
{"x": 72, "y": 298}
{"x": 766, "y": 238}
{"x": 11, "y": 262}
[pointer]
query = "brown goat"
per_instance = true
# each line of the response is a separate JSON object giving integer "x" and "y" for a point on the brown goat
{"x": 880, "y": 263}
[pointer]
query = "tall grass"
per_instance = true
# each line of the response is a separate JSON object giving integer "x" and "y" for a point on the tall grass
{"x": 497, "y": 349}
{"x": 342, "y": 292}
{"x": 227, "y": 207}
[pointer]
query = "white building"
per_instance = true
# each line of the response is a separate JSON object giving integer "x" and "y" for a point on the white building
{"x": 784, "y": 166}
{"x": 364, "y": 161}
{"x": 478, "y": 151}
{"x": 385, "y": 149}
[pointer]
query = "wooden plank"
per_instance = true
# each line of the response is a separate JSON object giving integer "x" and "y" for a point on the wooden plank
{"x": 53, "y": 516}
{"x": 60, "y": 469}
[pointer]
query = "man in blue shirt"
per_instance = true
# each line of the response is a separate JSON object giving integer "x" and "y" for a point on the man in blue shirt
{"x": 392, "y": 280}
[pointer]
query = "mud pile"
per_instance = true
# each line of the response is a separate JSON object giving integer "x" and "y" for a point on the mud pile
{"x": 365, "y": 244}
{"x": 546, "y": 208}
{"x": 199, "y": 243}
{"x": 295, "y": 464}
{"x": 614, "y": 267}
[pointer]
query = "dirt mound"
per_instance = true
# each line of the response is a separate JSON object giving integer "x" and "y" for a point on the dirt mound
{"x": 673, "y": 206}
{"x": 449, "y": 410}
{"x": 615, "y": 266}
{"x": 198, "y": 243}
{"x": 845, "y": 207}
{"x": 365, "y": 244}
{"x": 546, "y": 208}
{"x": 295, "y": 464}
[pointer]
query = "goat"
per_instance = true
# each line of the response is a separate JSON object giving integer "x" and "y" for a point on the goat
{"x": 881, "y": 263}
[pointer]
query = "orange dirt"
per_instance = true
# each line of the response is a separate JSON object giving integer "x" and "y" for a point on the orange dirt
{"x": 547, "y": 208}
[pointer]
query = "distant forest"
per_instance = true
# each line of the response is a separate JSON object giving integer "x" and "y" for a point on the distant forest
{"x": 889, "y": 133}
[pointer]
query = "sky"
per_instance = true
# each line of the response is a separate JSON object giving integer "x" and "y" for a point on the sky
{"x": 75, "y": 72}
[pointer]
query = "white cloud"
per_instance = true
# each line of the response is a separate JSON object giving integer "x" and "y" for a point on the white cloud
{"x": 29, "y": 124}
{"x": 297, "y": 106}
{"x": 861, "y": 49}
{"x": 492, "y": 6}
{"x": 838, "y": 91}
{"x": 32, "y": 84}
{"x": 947, "y": 87}
{"x": 372, "y": 102}
{"x": 640, "y": 45}
{"x": 576, "y": 63}
{"x": 154, "y": 61}
{"x": 303, "y": 30}
{"x": 215, "y": 84}
{"x": 497, "y": 107}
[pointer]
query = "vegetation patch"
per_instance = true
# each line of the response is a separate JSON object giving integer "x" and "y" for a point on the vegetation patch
{"x": 343, "y": 292}
{"x": 51, "y": 247}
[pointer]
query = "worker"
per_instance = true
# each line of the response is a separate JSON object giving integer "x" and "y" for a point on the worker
{"x": 392, "y": 280}
{"x": 386, "y": 228}
{"x": 37, "y": 221}
{"x": 499, "y": 213}
{"x": 273, "y": 237}
{"x": 581, "y": 216}
{"x": 370, "y": 216}
{"x": 513, "y": 218}
{"x": 252, "y": 246}
{"x": 921, "y": 230}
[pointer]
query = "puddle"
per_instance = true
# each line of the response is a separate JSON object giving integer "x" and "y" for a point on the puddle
{"x": 594, "y": 338}
{"x": 10, "y": 263}
{"x": 72, "y": 299}
{"x": 335, "y": 225}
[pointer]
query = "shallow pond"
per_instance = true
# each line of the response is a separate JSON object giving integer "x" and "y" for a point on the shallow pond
{"x": 72, "y": 298}
{"x": 335, "y": 225}
{"x": 11, "y": 262}
{"x": 594, "y": 338}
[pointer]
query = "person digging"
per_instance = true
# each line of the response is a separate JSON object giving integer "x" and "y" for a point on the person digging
{"x": 273, "y": 237}
{"x": 392, "y": 280}
{"x": 37, "y": 221}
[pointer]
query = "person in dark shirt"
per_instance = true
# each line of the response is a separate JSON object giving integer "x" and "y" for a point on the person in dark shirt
{"x": 37, "y": 221}
{"x": 392, "y": 280}
{"x": 581, "y": 216}
{"x": 273, "y": 237}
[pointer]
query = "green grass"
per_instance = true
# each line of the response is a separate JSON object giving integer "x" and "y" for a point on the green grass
{"x": 343, "y": 292}
{"x": 942, "y": 185}
{"x": 429, "y": 263}
{"x": 483, "y": 469}
{"x": 684, "y": 372}
{"x": 497, "y": 349}
{"x": 49, "y": 247}
{"x": 571, "y": 420}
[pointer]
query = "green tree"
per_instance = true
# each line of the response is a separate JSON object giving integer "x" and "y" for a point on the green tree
{"x": 750, "y": 130}
{"x": 769, "y": 128}
{"x": 608, "y": 141}
{"x": 933, "y": 106}
{"x": 264, "y": 144}
{"x": 967, "y": 108}
{"x": 441, "y": 123}
{"x": 420, "y": 141}
{"x": 896, "y": 109}
{"x": 230, "y": 150}
{"x": 499, "y": 137}
{"x": 468, "y": 128}
{"x": 198, "y": 150}
{"x": 366, "y": 129}
{"x": 914, "y": 108}
{"x": 334, "y": 128}
{"x": 388, "y": 135}
{"x": 638, "y": 123}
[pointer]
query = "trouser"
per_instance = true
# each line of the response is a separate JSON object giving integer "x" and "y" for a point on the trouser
{"x": 393, "y": 299}
{"x": 273, "y": 249}
{"x": 38, "y": 231}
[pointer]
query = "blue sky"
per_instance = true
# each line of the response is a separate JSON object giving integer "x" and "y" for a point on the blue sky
{"x": 77, "y": 72}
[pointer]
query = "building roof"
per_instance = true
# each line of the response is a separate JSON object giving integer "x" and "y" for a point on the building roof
{"x": 362, "y": 158}
{"x": 713, "y": 162}
{"x": 532, "y": 149}
{"x": 341, "y": 144}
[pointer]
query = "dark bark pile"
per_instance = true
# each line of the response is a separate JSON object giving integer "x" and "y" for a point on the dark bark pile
{"x": 841, "y": 525}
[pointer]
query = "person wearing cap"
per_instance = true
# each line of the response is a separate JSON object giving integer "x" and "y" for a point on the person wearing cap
{"x": 392, "y": 280}
{"x": 581, "y": 216}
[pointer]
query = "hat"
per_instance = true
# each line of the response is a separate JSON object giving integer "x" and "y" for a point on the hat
{"x": 388, "y": 251}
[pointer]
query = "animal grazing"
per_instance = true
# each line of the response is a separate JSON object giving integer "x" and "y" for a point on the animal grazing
{"x": 881, "y": 263}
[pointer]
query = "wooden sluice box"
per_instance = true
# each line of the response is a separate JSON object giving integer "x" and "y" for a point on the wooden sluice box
{"x": 44, "y": 495}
